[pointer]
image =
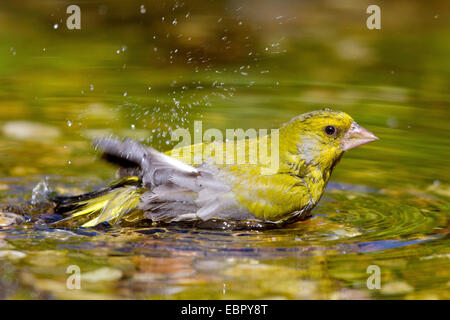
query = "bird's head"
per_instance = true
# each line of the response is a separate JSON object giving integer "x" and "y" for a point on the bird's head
{"x": 321, "y": 137}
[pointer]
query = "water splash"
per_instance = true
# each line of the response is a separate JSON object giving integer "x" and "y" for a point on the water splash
{"x": 41, "y": 192}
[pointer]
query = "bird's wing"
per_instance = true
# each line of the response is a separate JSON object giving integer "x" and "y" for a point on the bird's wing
{"x": 153, "y": 167}
{"x": 176, "y": 190}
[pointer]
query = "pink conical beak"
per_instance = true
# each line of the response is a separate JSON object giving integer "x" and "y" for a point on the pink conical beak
{"x": 356, "y": 136}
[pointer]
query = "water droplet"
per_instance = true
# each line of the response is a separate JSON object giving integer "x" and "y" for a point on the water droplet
{"x": 125, "y": 94}
{"x": 55, "y": 26}
{"x": 143, "y": 10}
{"x": 69, "y": 123}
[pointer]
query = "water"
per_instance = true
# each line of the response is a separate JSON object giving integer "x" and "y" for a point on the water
{"x": 142, "y": 70}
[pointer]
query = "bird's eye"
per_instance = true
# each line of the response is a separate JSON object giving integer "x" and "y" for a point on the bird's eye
{"x": 330, "y": 130}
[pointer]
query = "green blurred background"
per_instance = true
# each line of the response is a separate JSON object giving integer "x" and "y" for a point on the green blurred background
{"x": 157, "y": 65}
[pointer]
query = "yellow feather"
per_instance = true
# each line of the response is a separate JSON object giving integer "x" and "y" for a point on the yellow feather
{"x": 120, "y": 202}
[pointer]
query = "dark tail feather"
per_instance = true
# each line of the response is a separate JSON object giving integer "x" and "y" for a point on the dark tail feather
{"x": 108, "y": 204}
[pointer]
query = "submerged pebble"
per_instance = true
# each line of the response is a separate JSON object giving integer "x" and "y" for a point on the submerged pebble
{"x": 12, "y": 254}
{"x": 396, "y": 288}
{"x": 9, "y": 219}
{"x": 27, "y": 130}
{"x": 102, "y": 274}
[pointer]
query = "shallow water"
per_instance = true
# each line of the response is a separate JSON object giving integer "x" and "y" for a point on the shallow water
{"x": 135, "y": 74}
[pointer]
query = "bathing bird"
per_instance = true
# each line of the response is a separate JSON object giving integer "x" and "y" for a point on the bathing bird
{"x": 199, "y": 183}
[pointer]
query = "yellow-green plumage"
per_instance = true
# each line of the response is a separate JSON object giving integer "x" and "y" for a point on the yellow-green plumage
{"x": 207, "y": 188}
{"x": 298, "y": 180}
{"x": 106, "y": 205}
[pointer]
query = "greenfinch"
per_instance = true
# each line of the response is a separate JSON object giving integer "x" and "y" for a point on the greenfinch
{"x": 165, "y": 187}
